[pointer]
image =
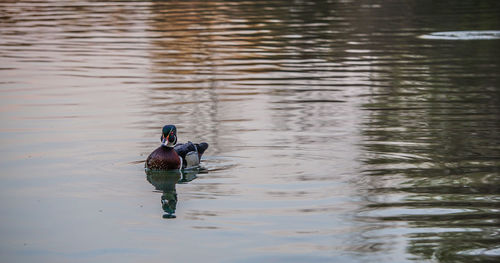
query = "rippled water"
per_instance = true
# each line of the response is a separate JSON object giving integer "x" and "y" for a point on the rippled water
{"x": 463, "y": 35}
{"x": 336, "y": 133}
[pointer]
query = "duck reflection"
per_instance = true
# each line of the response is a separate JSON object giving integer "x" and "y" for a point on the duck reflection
{"x": 166, "y": 181}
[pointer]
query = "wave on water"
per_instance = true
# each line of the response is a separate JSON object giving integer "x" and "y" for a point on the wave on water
{"x": 463, "y": 35}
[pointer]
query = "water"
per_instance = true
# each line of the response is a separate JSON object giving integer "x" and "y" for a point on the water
{"x": 336, "y": 133}
{"x": 463, "y": 35}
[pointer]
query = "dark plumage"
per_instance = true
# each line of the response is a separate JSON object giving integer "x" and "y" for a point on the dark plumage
{"x": 187, "y": 152}
{"x": 170, "y": 156}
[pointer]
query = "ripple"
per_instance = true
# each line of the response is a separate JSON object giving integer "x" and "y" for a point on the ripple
{"x": 463, "y": 35}
{"x": 481, "y": 252}
{"x": 335, "y": 133}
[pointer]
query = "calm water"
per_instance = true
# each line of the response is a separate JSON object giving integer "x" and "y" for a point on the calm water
{"x": 336, "y": 133}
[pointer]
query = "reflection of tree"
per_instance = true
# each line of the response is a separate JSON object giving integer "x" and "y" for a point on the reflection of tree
{"x": 431, "y": 129}
{"x": 207, "y": 56}
{"x": 166, "y": 181}
{"x": 431, "y": 140}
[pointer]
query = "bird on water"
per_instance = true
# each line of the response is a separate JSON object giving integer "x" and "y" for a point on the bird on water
{"x": 172, "y": 156}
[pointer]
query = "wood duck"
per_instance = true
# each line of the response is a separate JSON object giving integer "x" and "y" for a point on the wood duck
{"x": 170, "y": 156}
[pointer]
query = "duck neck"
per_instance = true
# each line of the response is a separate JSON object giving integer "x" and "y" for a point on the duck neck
{"x": 168, "y": 144}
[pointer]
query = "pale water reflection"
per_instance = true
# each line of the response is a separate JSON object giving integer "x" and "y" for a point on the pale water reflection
{"x": 463, "y": 35}
{"x": 336, "y": 133}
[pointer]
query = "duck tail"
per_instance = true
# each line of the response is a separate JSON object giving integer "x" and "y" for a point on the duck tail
{"x": 201, "y": 148}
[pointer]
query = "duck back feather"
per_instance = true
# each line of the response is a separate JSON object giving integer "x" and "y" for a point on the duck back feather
{"x": 190, "y": 153}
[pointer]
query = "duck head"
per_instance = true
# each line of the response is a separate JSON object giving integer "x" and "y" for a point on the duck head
{"x": 169, "y": 135}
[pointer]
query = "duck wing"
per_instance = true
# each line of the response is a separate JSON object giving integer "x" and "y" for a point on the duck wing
{"x": 190, "y": 153}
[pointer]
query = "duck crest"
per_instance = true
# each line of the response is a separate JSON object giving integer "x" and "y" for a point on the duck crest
{"x": 163, "y": 158}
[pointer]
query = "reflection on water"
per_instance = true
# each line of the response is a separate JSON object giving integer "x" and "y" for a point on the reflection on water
{"x": 463, "y": 35}
{"x": 165, "y": 182}
{"x": 336, "y": 132}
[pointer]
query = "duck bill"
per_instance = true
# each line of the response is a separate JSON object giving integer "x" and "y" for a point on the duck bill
{"x": 165, "y": 140}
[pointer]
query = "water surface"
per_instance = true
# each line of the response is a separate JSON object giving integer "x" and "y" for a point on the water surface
{"x": 336, "y": 133}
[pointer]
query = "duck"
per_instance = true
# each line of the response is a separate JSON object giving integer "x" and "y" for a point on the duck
{"x": 173, "y": 156}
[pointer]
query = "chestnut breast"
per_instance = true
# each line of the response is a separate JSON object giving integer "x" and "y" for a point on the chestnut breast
{"x": 163, "y": 158}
